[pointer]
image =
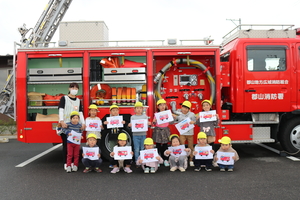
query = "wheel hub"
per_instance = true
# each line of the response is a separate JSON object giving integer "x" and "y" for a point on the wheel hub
{"x": 295, "y": 137}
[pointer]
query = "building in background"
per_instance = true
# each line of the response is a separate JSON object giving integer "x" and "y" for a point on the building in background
{"x": 6, "y": 64}
{"x": 83, "y": 34}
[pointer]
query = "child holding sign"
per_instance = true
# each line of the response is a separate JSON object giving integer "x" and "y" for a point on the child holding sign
{"x": 189, "y": 135}
{"x": 93, "y": 123}
{"x": 73, "y": 142}
{"x": 151, "y": 165}
{"x": 206, "y": 154}
{"x": 208, "y": 126}
{"x": 161, "y": 132}
{"x": 91, "y": 157}
{"x": 221, "y": 158}
{"x": 178, "y": 157}
{"x": 122, "y": 142}
{"x": 138, "y": 136}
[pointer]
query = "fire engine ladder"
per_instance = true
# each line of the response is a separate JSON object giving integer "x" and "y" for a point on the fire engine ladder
{"x": 47, "y": 24}
{"x": 7, "y": 97}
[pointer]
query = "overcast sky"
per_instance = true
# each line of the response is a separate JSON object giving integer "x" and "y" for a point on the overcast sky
{"x": 151, "y": 19}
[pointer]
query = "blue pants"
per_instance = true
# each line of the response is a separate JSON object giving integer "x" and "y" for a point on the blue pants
{"x": 138, "y": 144}
{"x": 91, "y": 163}
{"x": 224, "y": 166}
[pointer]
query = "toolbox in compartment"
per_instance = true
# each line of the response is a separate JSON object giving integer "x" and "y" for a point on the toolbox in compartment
{"x": 125, "y": 74}
{"x": 55, "y": 74}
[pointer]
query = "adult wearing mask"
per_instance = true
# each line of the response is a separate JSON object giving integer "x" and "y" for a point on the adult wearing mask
{"x": 68, "y": 104}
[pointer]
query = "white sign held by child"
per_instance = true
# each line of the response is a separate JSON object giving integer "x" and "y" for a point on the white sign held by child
{"x": 208, "y": 116}
{"x": 139, "y": 125}
{"x": 164, "y": 117}
{"x": 74, "y": 137}
{"x": 225, "y": 158}
{"x": 122, "y": 153}
{"x": 184, "y": 126}
{"x": 93, "y": 125}
{"x": 115, "y": 121}
{"x": 90, "y": 153}
{"x": 149, "y": 155}
{"x": 203, "y": 153}
{"x": 177, "y": 151}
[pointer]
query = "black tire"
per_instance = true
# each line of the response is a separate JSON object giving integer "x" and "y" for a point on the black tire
{"x": 109, "y": 140}
{"x": 290, "y": 136}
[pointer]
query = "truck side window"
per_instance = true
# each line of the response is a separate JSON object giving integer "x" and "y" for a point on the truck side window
{"x": 266, "y": 59}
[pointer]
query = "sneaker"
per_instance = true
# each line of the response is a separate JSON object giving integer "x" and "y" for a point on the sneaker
{"x": 181, "y": 169}
{"x": 215, "y": 164}
{"x": 115, "y": 170}
{"x": 127, "y": 169}
{"x": 98, "y": 170}
{"x": 230, "y": 170}
{"x": 173, "y": 169}
{"x": 146, "y": 170}
{"x": 111, "y": 166}
{"x": 222, "y": 170}
{"x": 152, "y": 170}
{"x": 197, "y": 169}
{"x": 69, "y": 169}
{"x": 166, "y": 163}
{"x": 65, "y": 166}
{"x": 86, "y": 170}
{"x": 192, "y": 164}
{"x": 208, "y": 169}
{"x": 72, "y": 164}
{"x": 74, "y": 168}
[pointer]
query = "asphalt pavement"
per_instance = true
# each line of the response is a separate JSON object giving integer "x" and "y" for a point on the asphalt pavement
{"x": 259, "y": 174}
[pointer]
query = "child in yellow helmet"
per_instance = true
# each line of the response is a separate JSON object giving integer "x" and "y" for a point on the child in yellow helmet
{"x": 73, "y": 148}
{"x": 122, "y": 142}
{"x": 208, "y": 127}
{"x": 161, "y": 132}
{"x": 93, "y": 111}
{"x": 138, "y": 137}
{"x": 226, "y": 147}
{"x": 114, "y": 111}
{"x": 189, "y": 135}
{"x": 89, "y": 164}
{"x": 202, "y": 142}
{"x": 149, "y": 166}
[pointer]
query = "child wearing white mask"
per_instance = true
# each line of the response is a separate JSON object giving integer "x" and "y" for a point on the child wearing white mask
{"x": 67, "y": 104}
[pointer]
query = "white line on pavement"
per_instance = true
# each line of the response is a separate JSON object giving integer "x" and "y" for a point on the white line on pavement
{"x": 293, "y": 158}
{"x": 38, "y": 156}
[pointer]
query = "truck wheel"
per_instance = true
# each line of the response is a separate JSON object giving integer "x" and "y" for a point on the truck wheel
{"x": 290, "y": 136}
{"x": 109, "y": 140}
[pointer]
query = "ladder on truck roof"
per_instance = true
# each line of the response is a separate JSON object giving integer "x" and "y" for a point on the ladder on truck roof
{"x": 260, "y": 31}
{"x": 47, "y": 24}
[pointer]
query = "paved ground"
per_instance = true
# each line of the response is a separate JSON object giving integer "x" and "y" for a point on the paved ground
{"x": 260, "y": 174}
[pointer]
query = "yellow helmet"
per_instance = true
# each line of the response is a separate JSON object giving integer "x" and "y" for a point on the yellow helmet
{"x": 122, "y": 136}
{"x": 201, "y": 135}
{"x": 225, "y": 140}
{"x": 113, "y": 106}
{"x": 93, "y": 106}
{"x": 91, "y": 135}
{"x": 160, "y": 101}
{"x": 74, "y": 113}
{"x": 206, "y": 101}
{"x": 148, "y": 141}
{"x": 187, "y": 104}
{"x": 138, "y": 104}
{"x": 173, "y": 135}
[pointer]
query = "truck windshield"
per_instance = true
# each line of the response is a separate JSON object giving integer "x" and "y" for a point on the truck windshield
{"x": 266, "y": 59}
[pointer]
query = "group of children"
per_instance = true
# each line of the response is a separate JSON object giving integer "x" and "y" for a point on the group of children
{"x": 161, "y": 137}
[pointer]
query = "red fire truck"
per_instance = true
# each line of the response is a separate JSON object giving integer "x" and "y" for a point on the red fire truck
{"x": 252, "y": 80}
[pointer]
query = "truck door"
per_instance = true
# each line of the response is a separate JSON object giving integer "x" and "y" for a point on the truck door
{"x": 267, "y": 78}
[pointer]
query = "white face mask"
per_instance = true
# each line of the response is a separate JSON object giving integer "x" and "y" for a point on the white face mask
{"x": 73, "y": 92}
